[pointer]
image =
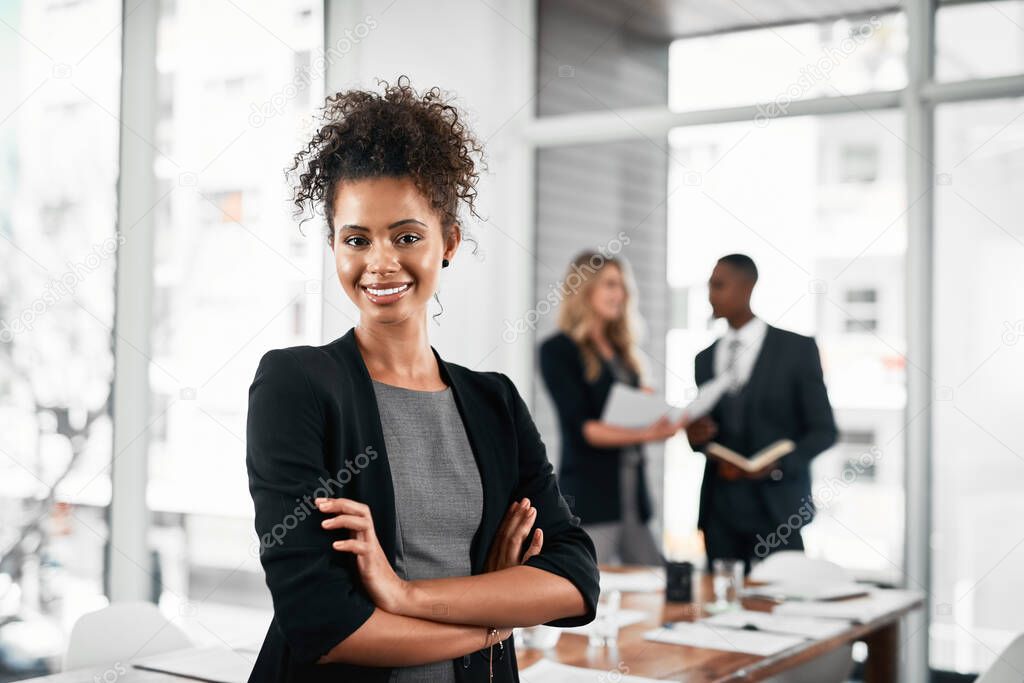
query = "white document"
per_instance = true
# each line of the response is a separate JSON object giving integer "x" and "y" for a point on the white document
{"x": 707, "y": 396}
{"x": 631, "y": 407}
{"x": 769, "y": 622}
{"x": 214, "y": 664}
{"x": 624, "y": 618}
{"x": 861, "y": 610}
{"x": 699, "y": 634}
{"x": 643, "y": 581}
{"x": 808, "y": 591}
{"x": 546, "y": 671}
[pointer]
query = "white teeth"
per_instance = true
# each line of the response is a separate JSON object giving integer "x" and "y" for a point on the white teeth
{"x": 386, "y": 292}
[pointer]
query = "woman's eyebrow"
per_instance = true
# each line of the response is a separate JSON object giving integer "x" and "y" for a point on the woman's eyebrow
{"x": 396, "y": 224}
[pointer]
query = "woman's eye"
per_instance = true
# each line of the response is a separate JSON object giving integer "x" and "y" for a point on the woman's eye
{"x": 352, "y": 241}
{"x": 409, "y": 238}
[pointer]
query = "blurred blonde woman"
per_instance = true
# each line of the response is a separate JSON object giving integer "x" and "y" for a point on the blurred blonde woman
{"x": 602, "y": 465}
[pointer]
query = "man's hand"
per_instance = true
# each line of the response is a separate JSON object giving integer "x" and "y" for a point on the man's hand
{"x": 730, "y": 472}
{"x": 701, "y": 431}
{"x": 506, "y": 549}
{"x": 761, "y": 473}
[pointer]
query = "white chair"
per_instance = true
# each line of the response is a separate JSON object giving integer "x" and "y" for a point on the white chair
{"x": 793, "y": 567}
{"x": 1007, "y": 668}
{"x": 120, "y": 632}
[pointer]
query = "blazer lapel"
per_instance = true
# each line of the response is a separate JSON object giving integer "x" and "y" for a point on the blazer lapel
{"x": 706, "y": 364}
{"x": 384, "y": 515}
{"x": 760, "y": 370}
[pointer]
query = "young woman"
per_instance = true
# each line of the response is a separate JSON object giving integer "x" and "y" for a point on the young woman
{"x": 602, "y": 465}
{"x": 395, "y": 491}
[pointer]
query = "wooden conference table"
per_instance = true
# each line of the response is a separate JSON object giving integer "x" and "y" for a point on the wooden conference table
{"x": 658, "y": 660}
{"x": 700, "y": 665}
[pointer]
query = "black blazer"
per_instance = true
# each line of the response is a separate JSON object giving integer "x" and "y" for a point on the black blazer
{"x": 313, "y": 429}
{"x": 589, "y": 476}
{"x": 785, "y": 398}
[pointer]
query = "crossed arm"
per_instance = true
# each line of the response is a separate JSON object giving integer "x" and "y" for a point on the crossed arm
{"x": 423, "y": 621}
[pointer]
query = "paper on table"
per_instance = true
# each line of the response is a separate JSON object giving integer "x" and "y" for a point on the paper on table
{"x": 624, "y": 618}
{"x": 643, "y": 581}
{"x": 631, "y": 407}
{"x": 699, "y": 634}
{"x": 214, "y": 664}
{"x": 862, "y": 610}
{"x": 808, "y": 591}
{"x": 546, "y": 671}
{"x": 808, "y": 627}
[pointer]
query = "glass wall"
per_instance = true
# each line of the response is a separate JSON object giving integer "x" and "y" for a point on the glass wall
{"x": 795, "y": 62}
{"x": 979, "y": 39}
{"x": 978, "y": 452}
{"x": 818, "y": 203}
{"x": 58, "y": 245}
{"x": 236, "y": 91}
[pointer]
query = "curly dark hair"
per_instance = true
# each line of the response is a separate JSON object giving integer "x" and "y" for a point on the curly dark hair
{"x": 396, "y": 133}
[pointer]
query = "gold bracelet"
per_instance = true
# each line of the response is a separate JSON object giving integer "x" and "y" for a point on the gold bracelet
{"x": 492, "y": 635}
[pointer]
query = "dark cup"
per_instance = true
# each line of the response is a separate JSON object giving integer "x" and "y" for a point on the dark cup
{"x": 678, "y": 582}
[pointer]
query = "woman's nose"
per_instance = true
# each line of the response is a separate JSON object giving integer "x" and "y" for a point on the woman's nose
{"x": 383, "y": 258}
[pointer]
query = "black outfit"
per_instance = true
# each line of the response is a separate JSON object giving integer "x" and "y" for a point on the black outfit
{"x": 784, "y": 398}
{"x": 314, "y": 430}
{"x": 589, "y": 476}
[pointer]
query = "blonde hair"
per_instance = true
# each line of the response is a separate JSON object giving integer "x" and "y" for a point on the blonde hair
{"x": 576, "y": 317}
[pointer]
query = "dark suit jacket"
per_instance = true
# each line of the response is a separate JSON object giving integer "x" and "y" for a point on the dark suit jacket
{"x": 589, "y": 475}
{"x": 313, "y": 429}
{"x": 785, "y": 398}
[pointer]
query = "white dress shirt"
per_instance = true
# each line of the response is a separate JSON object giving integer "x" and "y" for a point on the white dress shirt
{"x": 750, "y": 338}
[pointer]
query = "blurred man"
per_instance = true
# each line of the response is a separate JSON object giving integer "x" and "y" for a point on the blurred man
{"x": 775, "y": 392}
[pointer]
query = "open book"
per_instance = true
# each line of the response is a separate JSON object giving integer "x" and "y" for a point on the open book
{"x": 764, "y": 457}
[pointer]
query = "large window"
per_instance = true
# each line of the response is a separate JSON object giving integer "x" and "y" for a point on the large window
{"x": 978, "y": 510}
{"x": 979, "y": 39}
{"x": 800, "y": 61}
{"x": 58, "y": 246}
{"x": 233, "y": 278}
{"x": 818, "y": 203}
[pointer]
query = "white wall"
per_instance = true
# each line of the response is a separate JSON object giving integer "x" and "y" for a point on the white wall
{"x": 483, "y": 53}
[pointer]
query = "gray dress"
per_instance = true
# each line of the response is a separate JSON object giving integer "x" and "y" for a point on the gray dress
{"x": 438, "y": 494}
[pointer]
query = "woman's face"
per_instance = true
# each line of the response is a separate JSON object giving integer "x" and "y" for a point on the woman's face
{"x": 388, "y": 246}
{"x": 608, "y": 296}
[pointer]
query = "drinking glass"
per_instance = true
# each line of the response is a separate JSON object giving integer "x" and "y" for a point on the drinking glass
{"x": 727, "y": 580}
{"x": 604, "y": 630}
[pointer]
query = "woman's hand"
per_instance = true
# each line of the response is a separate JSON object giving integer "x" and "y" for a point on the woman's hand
{"x": 664, "y": 428}
{"x": 511, "y": 534}
{"x": 387, "y": 590}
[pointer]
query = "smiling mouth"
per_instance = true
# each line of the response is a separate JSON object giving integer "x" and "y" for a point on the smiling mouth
{"x": 386, "y": 295}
